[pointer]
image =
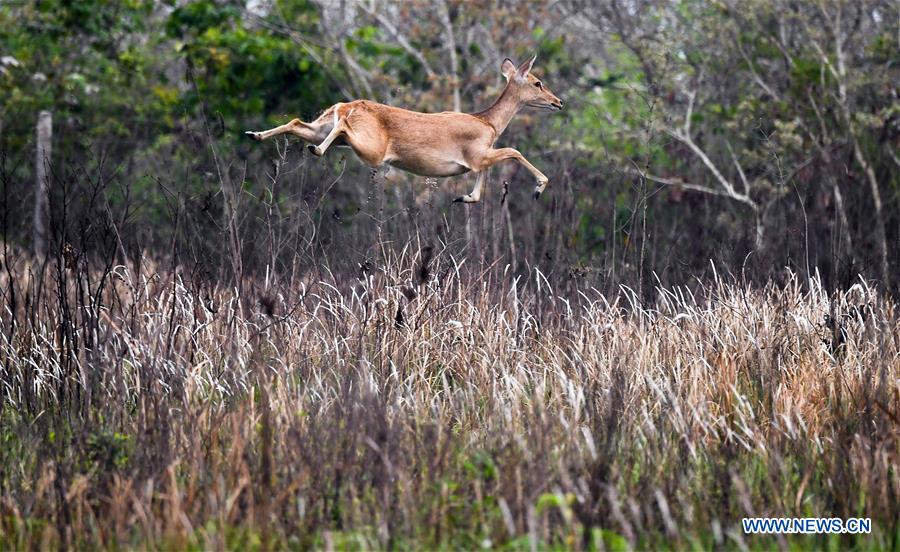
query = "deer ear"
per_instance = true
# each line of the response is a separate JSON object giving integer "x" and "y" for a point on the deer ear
{"x": 508, "y": 68}
{"x": 525, "y": 68}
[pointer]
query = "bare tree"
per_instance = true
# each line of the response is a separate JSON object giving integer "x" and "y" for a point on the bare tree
{"x": 42, "y": 180}
{"x": 839, "y": 71}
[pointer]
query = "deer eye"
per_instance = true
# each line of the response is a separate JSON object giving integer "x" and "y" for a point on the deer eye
{"x": 539, "y": 85}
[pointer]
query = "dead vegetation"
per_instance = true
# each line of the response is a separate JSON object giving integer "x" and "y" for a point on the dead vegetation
{"x": 425, "y": 406}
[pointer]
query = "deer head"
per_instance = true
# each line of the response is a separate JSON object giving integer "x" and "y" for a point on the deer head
{"x": 527, "y": 89}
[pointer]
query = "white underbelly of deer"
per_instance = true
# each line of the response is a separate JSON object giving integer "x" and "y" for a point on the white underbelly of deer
{"x": 425, "y": 162}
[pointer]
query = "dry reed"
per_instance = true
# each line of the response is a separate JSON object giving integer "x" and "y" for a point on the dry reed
{"x": 430, "y": 408}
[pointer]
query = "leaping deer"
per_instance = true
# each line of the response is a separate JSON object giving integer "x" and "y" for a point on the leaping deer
{"x": 428, "y": 144}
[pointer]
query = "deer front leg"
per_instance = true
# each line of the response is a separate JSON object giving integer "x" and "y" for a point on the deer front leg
{"x": 475, "y": 195}
{"x": 495, "y": 156}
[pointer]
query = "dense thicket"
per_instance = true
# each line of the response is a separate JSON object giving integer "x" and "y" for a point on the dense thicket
{"x": 761, "y": 135}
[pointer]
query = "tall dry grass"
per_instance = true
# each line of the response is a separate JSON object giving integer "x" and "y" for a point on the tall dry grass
{"x": 426, "y": 406}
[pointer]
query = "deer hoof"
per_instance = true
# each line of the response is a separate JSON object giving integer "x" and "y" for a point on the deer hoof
{"x": 464, "y": 199}
{"x": 254, "y": 135}
{"x": 537, "y": 195}
{"x": 314, "y": 150}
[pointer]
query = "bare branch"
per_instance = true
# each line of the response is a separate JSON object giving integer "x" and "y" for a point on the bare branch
{"x": 840, "y": 76}
{"x": 690, "y": 112}
{"x": 451, "y": 47}
{"x": 756, "y": 77}
{"x": 400, "y": 37}
{"x": 358, "y": 75}
{"x": 304, "y": 43}
{"x": 724, "y": 182}
{"x": 676, "y": 182}
{"x": 740, "y": 169}
{"x": 893, "y": 157}
{"x": 362, "y": 76}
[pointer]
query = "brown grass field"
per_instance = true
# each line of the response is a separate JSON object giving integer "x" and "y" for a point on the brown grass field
{"x": 425, "y": 406}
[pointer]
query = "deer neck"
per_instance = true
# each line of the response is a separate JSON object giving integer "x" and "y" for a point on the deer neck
{"x": 502, "y": 111}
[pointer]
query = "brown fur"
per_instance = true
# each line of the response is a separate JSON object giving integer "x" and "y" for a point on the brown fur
{"x": 427, "y": 144}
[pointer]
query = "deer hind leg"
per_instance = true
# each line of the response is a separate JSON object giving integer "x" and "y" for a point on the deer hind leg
{"x": 296, "y": 127}
{"x": 495, "y": 156}
{"x": 362, "y": 132}
{"x": 475, "y": 195}
{"x": 339, "y": 127}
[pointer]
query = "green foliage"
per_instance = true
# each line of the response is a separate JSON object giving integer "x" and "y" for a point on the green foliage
{"x": 238, "y": 72}
{"x": 604, "y": 539}
{"x": 109, "y": 450}
{"x": 72, "y": 58}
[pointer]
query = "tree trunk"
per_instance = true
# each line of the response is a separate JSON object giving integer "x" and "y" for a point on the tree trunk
{"x": 444, "y": 14}
{"x": 42, "y": 181}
